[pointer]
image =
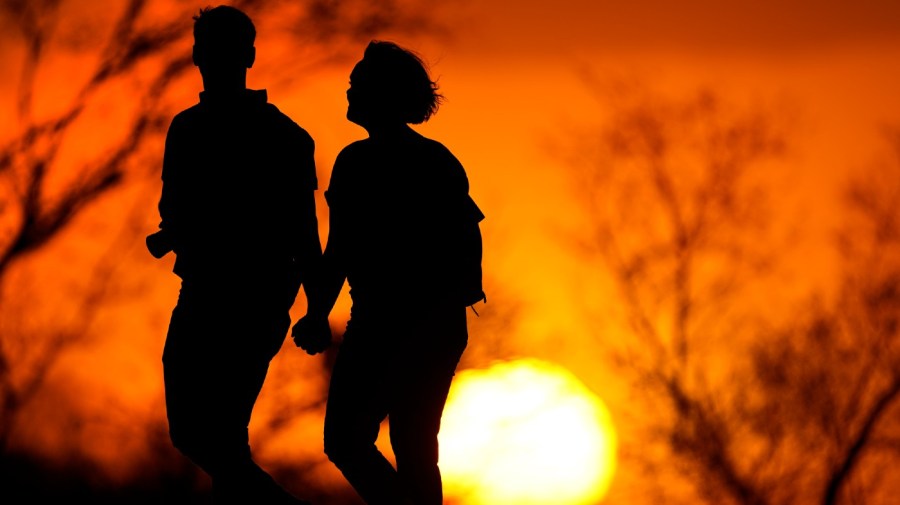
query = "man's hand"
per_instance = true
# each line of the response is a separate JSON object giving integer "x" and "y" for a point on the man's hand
{"x": 312, "y": 334}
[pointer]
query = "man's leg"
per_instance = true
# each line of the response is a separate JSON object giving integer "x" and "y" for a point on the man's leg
{"x": 192, "y": 405}
{"x": 237, "y": 478}
{"x": 249, "y": 343}
{"x": 214, "y": 371}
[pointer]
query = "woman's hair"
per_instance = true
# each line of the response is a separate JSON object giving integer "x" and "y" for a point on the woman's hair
{"x": 401, "y": 78}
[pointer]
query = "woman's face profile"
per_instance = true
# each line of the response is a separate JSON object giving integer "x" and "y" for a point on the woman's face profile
{"x": 359, "y": 96}
{"x": 369, "y": 103}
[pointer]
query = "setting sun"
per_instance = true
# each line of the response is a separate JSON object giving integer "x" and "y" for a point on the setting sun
{"x": 526, "y": 432}
{"x": 690, "y": 254}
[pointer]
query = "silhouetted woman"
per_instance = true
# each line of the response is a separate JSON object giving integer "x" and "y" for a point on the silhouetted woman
{"x": 404, "y": 234}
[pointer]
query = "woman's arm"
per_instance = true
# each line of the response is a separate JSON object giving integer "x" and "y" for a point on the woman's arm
{"x": 312, "y": 333}
{"x": 322, "y": 293}
{"x": 324, "y": 284}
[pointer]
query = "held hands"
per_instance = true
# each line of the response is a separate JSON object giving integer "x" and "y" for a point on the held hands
{"x": 312, "y": 334}
{"x": 159, "y": 244}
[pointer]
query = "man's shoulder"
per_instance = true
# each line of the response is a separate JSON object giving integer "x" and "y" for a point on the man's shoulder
{"x": 187, "y": 116}
{"x": 286, "y": 123}
{"x": 183, "y": 127}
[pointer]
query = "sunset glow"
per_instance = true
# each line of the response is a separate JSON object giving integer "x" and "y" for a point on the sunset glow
{"x": 690, "y": 212}
{"x": 527, "y": 433}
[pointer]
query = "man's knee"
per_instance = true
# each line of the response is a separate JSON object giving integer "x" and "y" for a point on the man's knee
{"x": 201, "y": 443}
{"x": 212, "y": 450}
{"x": 187, "y": 441}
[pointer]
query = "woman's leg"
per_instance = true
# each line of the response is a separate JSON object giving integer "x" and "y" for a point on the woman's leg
{"x": 420, "y": 393}
{"x": 353, "y": 415}
{"x": 414, "y": 425}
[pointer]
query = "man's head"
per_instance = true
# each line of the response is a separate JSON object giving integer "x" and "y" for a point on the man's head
{"x": 223, "y": 40}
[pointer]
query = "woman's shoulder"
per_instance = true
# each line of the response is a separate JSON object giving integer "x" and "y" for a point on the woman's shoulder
{"x": 354, "y": 148}
{"x": 445, "y": 171}
{"x": 355, "y": 152}
{"x": 349, "y": 163}
{"x": 437, "y": 150}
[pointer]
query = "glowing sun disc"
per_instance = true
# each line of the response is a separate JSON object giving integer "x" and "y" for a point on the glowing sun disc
{"x": 525, "y": 432}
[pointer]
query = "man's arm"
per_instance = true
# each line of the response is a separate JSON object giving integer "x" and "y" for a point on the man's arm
{"x": 163, "y": 241}
{"x": 306, "y": 247}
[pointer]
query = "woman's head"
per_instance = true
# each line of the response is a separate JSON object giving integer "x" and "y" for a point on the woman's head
{"x": 391, "y": 84}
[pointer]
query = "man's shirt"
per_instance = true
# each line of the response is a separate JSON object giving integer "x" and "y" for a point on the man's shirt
{"x": 238, "y": 192}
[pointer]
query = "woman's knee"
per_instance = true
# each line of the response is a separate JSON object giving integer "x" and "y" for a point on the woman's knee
{"x": 338, "y": 448}
{"x": 415, "y": 450}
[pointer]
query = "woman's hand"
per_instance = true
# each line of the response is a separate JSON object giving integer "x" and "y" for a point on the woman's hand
{"x": 312, "y": 334}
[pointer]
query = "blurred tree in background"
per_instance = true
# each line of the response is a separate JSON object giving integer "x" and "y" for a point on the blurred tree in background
{"x": 746, "y": 408}
{"x": 830, "y": 381}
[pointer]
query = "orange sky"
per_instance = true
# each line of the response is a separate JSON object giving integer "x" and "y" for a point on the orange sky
{"x": 513, "y": 75}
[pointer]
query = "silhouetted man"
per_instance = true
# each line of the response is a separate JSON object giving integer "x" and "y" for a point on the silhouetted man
{"x": 238, "y": 210}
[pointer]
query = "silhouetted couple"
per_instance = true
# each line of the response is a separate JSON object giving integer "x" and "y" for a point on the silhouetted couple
{"x": 238, "y": 210}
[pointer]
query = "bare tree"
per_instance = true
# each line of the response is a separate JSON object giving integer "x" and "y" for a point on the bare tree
{"x": 745, "y": 410}
{"x": 675, "y": 208}
{"x": 842, "y": 361}
{"x": 43, "y": 192}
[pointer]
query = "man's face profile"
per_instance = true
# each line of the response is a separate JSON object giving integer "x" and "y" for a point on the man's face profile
{"x": 223, "y": 54}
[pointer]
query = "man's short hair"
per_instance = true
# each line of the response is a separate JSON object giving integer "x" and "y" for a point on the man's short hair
{"x": 223, "y": 28}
